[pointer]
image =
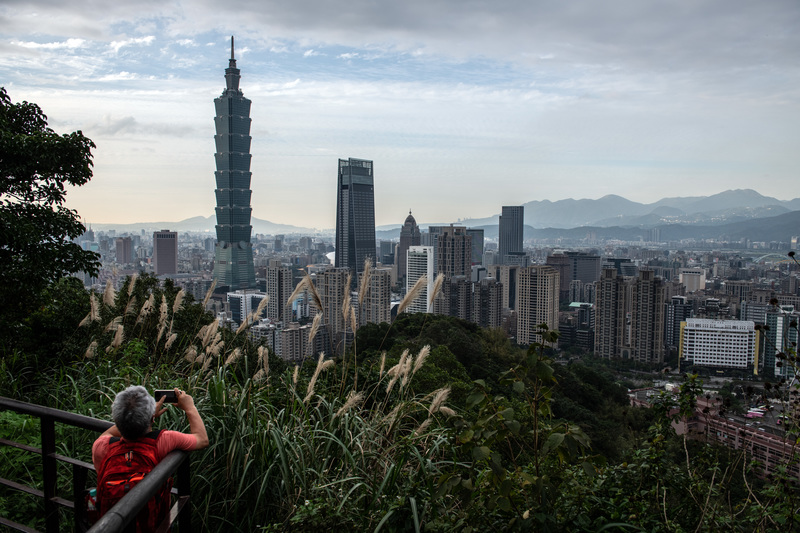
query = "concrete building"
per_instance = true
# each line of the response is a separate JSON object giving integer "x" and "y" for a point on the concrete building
{"x": 355, "y": 215}
{"x": 376, "y": 305}
{"x": 419, "y": 260}
{"x": 512, "y": 224}
{"x": 233, "y": 253}
{"x": 507, "y": 276}
{"x": 455, "y": 298}
{"x": 165, "y": 252}
{"x": 476, "y": 238}
{"x": 719, "y": 343}
{"x": 694, "y": 279}
{"x": 678, "y": 310}
{"x": 779, "y": 338}
{"x": 487, "y": 303}
{"x": 537, "y": 302}
{"x": 629, "y": 316}
{"x": 279, "y": 285}
{"x": 331, "y": 284}
{"x": 409, "y": 236}
{"x": 124, "y": 250}
{"x": 242, "y": 303}
{"x": 453, "y": 251}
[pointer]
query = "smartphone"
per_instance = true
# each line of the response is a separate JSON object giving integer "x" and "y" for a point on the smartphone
{"x": 169, "y": 394}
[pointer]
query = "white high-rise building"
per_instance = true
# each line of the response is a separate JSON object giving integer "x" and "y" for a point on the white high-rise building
{"x": 720, "y": 343}
{"x": 419, "y": 262}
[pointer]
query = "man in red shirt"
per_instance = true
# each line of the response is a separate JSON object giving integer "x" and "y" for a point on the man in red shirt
{"x": 134, "y": 410}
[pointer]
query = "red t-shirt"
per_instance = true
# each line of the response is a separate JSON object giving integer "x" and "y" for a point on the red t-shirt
{"x": 167, "y": 441}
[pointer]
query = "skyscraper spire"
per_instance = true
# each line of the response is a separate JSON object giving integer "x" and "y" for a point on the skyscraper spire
{"x": 232, "y": 76}
{"x": 233, "y": 258}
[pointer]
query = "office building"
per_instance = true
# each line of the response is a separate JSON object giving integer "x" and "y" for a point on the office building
{"x": 476, "y": 237}
{"x": 453, "y": 251}
{"x": 242, "y": 303}
{"x": 233, "y": 253}
{"x": 409, "y": 236}
{"x": 512, "y": 221}
{"x": 780, "y": 337}
{"x": 124, "y": 250}
{"x": 419, "y": 261}
{"x": 506, "y": 275}
{"x": 355, "y": 215}
{"x": 279, "y": 285}
{"x": 678, "y": 310}
{"x": 455, "y": 298}
{"x": 165, "y": 252}
{"x": 719, "y": 343}
{"x": 537, "y": 302}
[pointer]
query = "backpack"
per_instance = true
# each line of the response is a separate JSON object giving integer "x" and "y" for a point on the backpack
{"x": 125, "y": 464}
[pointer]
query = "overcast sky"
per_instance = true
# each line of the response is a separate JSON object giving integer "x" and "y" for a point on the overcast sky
{"x": 464, "y": 106}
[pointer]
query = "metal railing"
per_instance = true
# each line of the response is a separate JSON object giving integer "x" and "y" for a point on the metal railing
{"x": 123, "y": 513}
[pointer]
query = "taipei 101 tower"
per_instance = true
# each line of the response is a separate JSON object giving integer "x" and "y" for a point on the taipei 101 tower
{"x": 233, "y": 258}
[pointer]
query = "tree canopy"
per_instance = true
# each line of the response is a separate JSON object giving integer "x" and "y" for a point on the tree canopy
{"x": 36, "y": 165}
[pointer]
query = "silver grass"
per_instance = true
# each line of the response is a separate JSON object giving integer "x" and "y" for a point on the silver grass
{"x": 119, "y": 337}
{"x": 447, "y": 411}
{"x": 314, "y": 327}
{"x": 209, "y": 292}
{"x": 233, "y": 357}
{"x": 314, "y": 292}
{"x": 346, "y": 299}
{"x": 113, "y": 324}
{"x": 162, "y": 319}
{"x": 108, "y": 295}
{"x": 423, "y": 354}
{"x": 383, "y": 363}
{"x": 170, "y": 341}
{"x": 132, "y": 283}
{"x": 178, "y": 302}
{"x": 353, "y": 399}
{"x": 261, "y": 305}
{"x": 91, "y": 351}
{"x": 405, "y": 372}
{"x": 259, "y": 376}
{"x": 260, "y": 360}
{"x": 243, "y": 325}
{"x": 296, "y": 292}
{"x": 412, "y": 294}
{"x": 353, "y": 320}
{"x": 438, "y": 400}
{"x": 365, "y": 275}
{"x": 310, "y": 389}
{"x": 295, "y": 374}
{"x": 422, "y": 427}
{"x": 190, "y": 354}
{"x": 131, "y": 307}
{"x": 94, "y": 311}
{"x": 437, "y": 287}
{"x": 146, "y": 309}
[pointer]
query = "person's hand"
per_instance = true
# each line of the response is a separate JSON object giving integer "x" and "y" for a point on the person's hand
{"x": 185, "y": 401}
{"x": 160, "y": 409}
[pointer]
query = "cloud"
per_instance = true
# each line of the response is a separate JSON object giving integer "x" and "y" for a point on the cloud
{"x": 68, "y": 44}
{"x": 310, "y": 53}
{"x": 117, "y": 45}
{"x": 349, "y": 55}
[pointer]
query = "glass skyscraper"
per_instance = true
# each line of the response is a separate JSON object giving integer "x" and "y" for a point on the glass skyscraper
{"x": 233, "y": 257}
{"x": 355, "y": 215}
{"x": 511, "y": 227}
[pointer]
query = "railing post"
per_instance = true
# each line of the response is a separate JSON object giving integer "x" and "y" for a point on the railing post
{"x": 78, "y": 489}
{"x": 184, "y": 490}
{"x": 49, "y": 474}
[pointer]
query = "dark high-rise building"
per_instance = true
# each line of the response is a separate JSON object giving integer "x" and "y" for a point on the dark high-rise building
{"x": 355, "y": 215}
{"x": 477, "y": 245}
{"x": 233, "y": 254}
{"x": 124, "y": 250}
{"x": 409, "y": 236}
{"x": 165, "y": 252}
{"x": 511, "y": 226}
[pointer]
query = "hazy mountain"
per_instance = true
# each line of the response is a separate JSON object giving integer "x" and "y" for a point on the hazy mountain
{"x": 201, "y": 224}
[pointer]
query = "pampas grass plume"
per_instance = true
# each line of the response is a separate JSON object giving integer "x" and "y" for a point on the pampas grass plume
{"x": 170, "y": 341}
{"x": 437, "y": 287}
{"x": 233, "y": 357}
{"x": 438, "y": 400}
{"x": 91, "y": 351}
{"x": 132, "y": 283}
{"x": 108, "y": 295}
{"x": 423, "y": 354}
{"x": 365, "y": 275}
{"x": 209, "y": 293}
{"x": 178, "y": 303}
{"x": 353, "y": 399}
{"x": 412, "y": 294}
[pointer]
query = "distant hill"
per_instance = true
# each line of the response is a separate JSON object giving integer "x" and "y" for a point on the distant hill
{"x": 611, "y": 211}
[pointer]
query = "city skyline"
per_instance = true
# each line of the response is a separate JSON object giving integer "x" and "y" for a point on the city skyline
{"x": 487, "y": 106}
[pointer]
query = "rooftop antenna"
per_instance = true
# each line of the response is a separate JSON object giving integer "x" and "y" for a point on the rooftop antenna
{"x": 232, "y": 48}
